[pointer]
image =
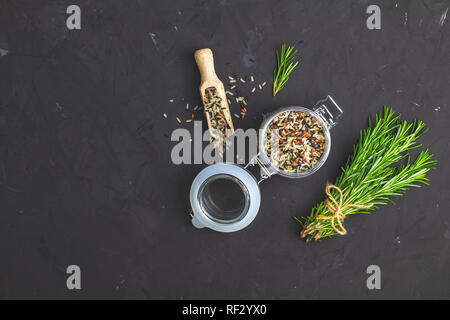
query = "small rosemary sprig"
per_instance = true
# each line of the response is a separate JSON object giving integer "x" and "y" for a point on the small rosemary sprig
{"x": 284, "y": 68}
{"x": 370, "y": 177}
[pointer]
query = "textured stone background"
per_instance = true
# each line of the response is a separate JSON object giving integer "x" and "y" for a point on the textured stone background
{"x": 85, "y": 170}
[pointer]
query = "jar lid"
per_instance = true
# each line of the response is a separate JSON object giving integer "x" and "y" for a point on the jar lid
{"x": 224, "y": 197}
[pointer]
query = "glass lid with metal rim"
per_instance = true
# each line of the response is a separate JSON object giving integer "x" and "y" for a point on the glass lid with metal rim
{"x": 294, "y": 142}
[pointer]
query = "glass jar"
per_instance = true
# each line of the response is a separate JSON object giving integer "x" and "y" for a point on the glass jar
{"x": 225, "y": 197}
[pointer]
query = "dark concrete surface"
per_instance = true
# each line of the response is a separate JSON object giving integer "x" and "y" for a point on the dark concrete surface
{"x": 85, "y": 171}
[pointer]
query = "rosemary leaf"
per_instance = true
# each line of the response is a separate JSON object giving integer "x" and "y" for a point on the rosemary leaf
{"x": 372, "y": 175}
{"x": 284, "y": 68}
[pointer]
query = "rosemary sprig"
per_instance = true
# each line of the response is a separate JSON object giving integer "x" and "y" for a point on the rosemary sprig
{"x": 285, "y": 66}
{"x": 370, "y": 176}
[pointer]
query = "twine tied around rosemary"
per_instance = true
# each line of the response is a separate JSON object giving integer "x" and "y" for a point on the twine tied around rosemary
{"x": 336, "y": 209}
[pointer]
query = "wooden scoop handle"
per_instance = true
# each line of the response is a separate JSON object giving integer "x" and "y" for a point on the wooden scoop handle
{"x": 205, "y": 63}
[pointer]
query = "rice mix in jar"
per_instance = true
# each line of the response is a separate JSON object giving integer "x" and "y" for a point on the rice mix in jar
{"x": 295, "y": 141}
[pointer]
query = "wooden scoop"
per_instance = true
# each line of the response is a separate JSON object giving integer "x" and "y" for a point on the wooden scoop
{"x": 205, "y": 63}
